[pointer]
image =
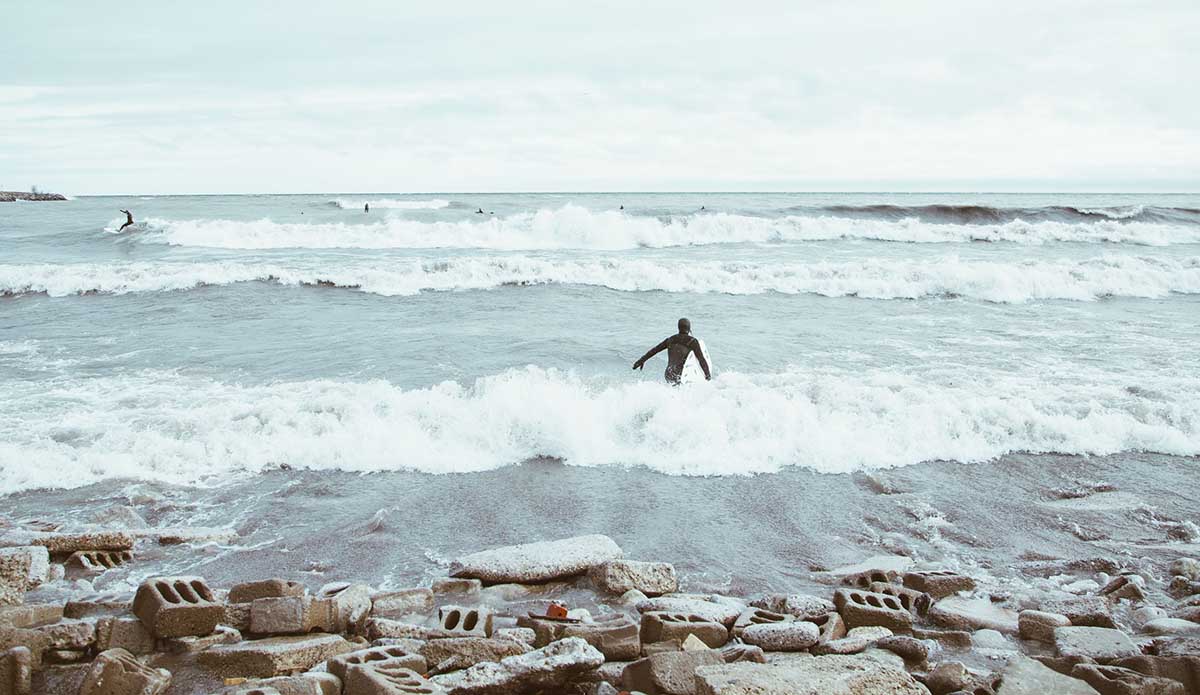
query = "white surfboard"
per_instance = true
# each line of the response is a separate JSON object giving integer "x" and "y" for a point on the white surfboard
{"x": 691, "y": 368}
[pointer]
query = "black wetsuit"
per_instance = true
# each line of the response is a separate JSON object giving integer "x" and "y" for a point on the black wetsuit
{"x": 678, "y": 347}
{"x": 128, "y": 220}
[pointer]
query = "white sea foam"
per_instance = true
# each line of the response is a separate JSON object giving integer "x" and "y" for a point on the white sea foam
{"x": 186, "y": 429}
{"x": 573, "y": 227}
{"x": 391, "y": 203}
{"x": 875, "y": 278}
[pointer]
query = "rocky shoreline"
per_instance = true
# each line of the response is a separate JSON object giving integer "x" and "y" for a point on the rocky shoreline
{"x": 575, "y": 616}
{"x": 13, "y": 196}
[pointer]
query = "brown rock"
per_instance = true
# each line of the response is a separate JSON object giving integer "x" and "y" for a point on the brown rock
{"x": 662, "y": 626}
{"x": 913, "y": 601}
{"x": 650, "y": 578}
{"x": 938, "y": 583}
{"x": 862, "y": 608}
{"x": 266, "y": 588}
{"x": 16, "y": 671}
{"x": 117, "y": 672}
{"x": 67, "y": 543}
{"x": 1114, "y": 680}
{"x": 177, "y": 606}
{"x": 30, "y": 614}
{"x": 341, "y": 664}
{"x": 1184, "y": 669}
{"x": 273, "y": 656}
{"x": 399, "y": 604}
{"x": 388, "y": 678}
{"x": 1039, "y": 626}
{"x": 668, "y": 673}
{"x": 465, "y": 652}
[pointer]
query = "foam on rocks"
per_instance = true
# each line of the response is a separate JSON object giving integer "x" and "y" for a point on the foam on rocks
{"x": 533, "y": 563}
{"x": 548, "y": 667}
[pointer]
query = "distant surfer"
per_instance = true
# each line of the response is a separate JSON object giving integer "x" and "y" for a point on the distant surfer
{"x": 678, "y": 347}
{"x": 128, "y": 220}
{"x": 367, "y": 207}
{"x": 479, "y": 211}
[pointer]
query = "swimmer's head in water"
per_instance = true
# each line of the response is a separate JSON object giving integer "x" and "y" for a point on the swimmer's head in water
{"x": 685, "y": 326}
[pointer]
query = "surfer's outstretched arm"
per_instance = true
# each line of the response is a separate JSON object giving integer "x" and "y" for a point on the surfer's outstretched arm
{"x": 653, "y": 351}
{"x": 700, "y": 358}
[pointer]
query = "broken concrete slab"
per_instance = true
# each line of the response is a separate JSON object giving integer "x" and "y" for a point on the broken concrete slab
{"x": 273, "y": 656}
{"x": 1024, "y": 676}
{"x": 545, "y": 668}
{"x": 957, "y": 613}
{"x": 650, "y": 578}
{"x": 1100, "y": 644}
{"x": 537, "y": 562}
{"x": 177, "y": 606}
{"x": 117, "y": 672}
{"x": 818, "y": 675}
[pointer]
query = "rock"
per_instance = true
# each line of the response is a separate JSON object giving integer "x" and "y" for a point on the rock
{"x": 662, "y": 626}
{"x": 537, "y": 562}
{"x": 669, "y": 673}
{"x": 1184, "y": 669}
{"x": 957, "y": 639}
{"x": 97, "y": 607}
{"x": 266, "y": 588}
{"x": 34, "y": 641}
{"x": 468, "y": 651}
{"x": 692, "y": 643}
{"x": 713, "y": 611}
{"x": 466, "y": 621}
{"x": 383, "y": 628}
{"x": 791, "y": 636}
{"x": 1171, "y": 626}
{"x": 309, "y": 683}
{"x": 650, "y": 578}
{"x": 862, "y": 608}
{"x": 30, "y": 614}
{"x": 400, "y": 604}
{"x": 273, "y": 656}
{"x": 756, "y": 616}
{"x": 1039, "y": 626}
{"x": 632, "y": 597}
{"x": 237, "y": 615}
{"x": 523, "y": 635}
{"x": 16, "y": 671}
{"x": 10, "y": 196}
{"x": 22, "y": 569}
{"x": 1182, "y": 586}
{"x": 615, "y": 636}
{"x": 1098, "y": 643}
{"x": 864, "y": 578}
{"x": 831, "y": 625}
{"x": 800, "y": 606}
{"x": 912, "y": 650}
{"x": 65, "y": 656}
{"x": 820, "y": 675}
{"x": 69, "y": 634}
{"x": 67, "y": 543}
{"x": 342, "y": 607}
{"x": 388, "y": 678}
{"x": 1114, "y": 680}
{"x": 857, "y": 640}
{"x": 1186, "y": 567}
{"x": 913, "y": 601}
{"x": 938, "y": 583}
{"x": 191, "y": 644}
{"x": 973, "y": 614}
{"x": 545, "y": 668}
{"x": 1126, "y": 586}
{"x": 285, "y": 615}
{"x": 1189, "y": 613}
{"x": 1024, "y": 676}
{"x": 341, "y": 665}
{"x": 177, "y": 606}
{"x": 734, "y": 653}
{"x": 948, "y": 677}
{"x": 467, "y": 588}
{"x": 1085, "y": 611}
{"x": 187, "y": 534}
{"x": 117, "y": 672}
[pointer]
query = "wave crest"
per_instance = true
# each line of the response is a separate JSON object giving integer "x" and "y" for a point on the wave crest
{"x": 390, "y": 203}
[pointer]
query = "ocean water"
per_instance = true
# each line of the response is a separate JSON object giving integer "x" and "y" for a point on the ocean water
{"x": 225, "y": 336}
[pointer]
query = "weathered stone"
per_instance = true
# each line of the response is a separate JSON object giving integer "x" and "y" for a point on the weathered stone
{"x": 282, "y": 615}
{"x": 30, "y": 614}
{"x": 661, "y": 626}
{"x": 756, "y": 616}
{"x": 97, "y": 607}
{"x": 1179, "y": 646}
{"x": 938, "y": 583}
{"x": 466, "y": 621}
{"x": 67, "y": 543}
{"x": 913, "y": 601}
{"x": 382, "y": 628}
{"x": 1113, "y": 680}
{"x": 340, "y": 665}
{"x": 668, "y": 673}
{"x": 863, "y": 579}
{"x": 1182, "y": 586}
{"x": 1184, "y": 669}
{"x": 525, "y": 635}
{"x": 821, "y": 675}
{"x": 959, "y": 613}
{"x": 451, "y": 586}
{"x": 97, "y": 561}
{"x": 36, "y": 642}
{"x": 1099, "y": 643}
{"x": 22, "y": 569}
{"x": 266, "y": 588}
{"x": 1126, "y": 586}
{"x": 948, "y": 677}
{"x": 537, "y": 562}
{"x": 791, "y": 636}
{"x": 1190, "y": 613}
{"x": 195, "y": 643}
{"x": 546, "y": 668}
{"x": 650, "y": 578}
{"x": 464, "y": 652}
{"x": 400, "y": 604}
{"x": 341, "y": 607}
{"x": 16, "y": 671}
{"x": 309, "y": 683}
{"x": 911, "y": 649}
{"x": 713, "y": 611}
{"x": 800, "y": 606}
{"x": 273, "y": 656}
{"x": 1024, "y": 676}
{"x": 959, "y": 639}
{"x": 117, "y": 672}
{"x": 1186, "y": 567}
{"x": 65, "y": 656}
{"x": 177, "y": 606}
{"x": 857, "y": 640}
{"x": 237, "y": 615}
{"x": 734, "y": 653}
{"x": 1171, "y": 626}
{"x": 1039, "y": 626}
{"x": 831, "y": 625}
{"x": 388, "y": 678}
{"x": 862, "y": 608}
{"x": 615, "y": 636}
{"x": 1083, "y": 611}
{"x": 69, "y": 634}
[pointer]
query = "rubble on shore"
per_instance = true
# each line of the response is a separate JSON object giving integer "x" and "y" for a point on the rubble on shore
{"x": 35, "y": 196}
{"x": 574, "y": 616}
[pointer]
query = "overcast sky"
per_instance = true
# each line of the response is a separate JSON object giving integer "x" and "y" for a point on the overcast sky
{"x": 207, "y": 97}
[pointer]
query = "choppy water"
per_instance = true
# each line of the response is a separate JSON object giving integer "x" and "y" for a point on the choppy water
{"x": 225, "y": 335}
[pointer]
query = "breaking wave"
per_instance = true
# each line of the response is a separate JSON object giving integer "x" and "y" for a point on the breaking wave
{"x": 390, "y": 203}
{"x": 876, "y": 278}
{"x": 186, "y": 429}
{"x": 985, "y": 214}
{"x": 573, "y": 227}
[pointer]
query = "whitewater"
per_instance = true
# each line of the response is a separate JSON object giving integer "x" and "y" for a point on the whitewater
{"x": 225, "y": 337}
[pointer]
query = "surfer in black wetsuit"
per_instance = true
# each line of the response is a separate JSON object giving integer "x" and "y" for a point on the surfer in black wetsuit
{"x": 128, "y": 220}
{"x": 678, "y": 347}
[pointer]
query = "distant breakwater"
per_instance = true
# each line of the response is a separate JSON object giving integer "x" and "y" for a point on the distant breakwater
{"x": 12, "y": 196}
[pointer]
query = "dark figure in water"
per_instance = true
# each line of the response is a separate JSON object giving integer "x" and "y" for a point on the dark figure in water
{"x": 367, "y": 207}
{"x": 128, "y": 220}
{"x": 678, "y": 347}
{"x": 479, "y": 211}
